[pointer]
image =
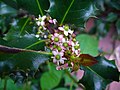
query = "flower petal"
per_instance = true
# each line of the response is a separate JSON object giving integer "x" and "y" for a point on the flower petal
{"x": 66, "y": 33}
{"x": 61, "y": 28}
{"x": 54, "y": 53}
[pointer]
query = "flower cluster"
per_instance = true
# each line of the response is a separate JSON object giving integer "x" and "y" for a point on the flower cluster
{"x": 43, "y": 25}
{"x": 61, "y": 41}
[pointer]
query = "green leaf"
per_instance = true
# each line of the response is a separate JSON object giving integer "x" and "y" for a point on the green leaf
{"x": 11, "y": 3}
{"x": 88, "y": 44}
{"x": 10, "y": 84}
{"x": 69, "y": 80}
{"x": 35, "y": 7}
{"x": 28, "y": 42}
{"x": 61, "y": 88}
{"x": 115, "y": 4}
{"x": 111, "y": 17}
{"x": 14, "y": 58}
{"x": 2, "y": 42}
{"x": 96, "y": 77}
{"x": 100, "y": 4}
{"x": 7, "y": 10}
{"x": 71, "y": 11}
{"x": 50, "y": 79}
{"x": 20, "y": 27}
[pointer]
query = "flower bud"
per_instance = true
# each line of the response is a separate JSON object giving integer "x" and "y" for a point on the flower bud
{"x": 57, "y": 57}
{"x": 65, "y": 44}
{"x": 66, "y": 27}
{"x": 56, "y": 39}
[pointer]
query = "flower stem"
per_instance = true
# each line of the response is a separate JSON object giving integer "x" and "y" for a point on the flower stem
{"x": 74, "y": 80}
{"x": 5, "y": 84}
{"x": 35, "y": 44}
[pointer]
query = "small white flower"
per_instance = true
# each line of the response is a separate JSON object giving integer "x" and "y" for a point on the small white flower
{"x": 40, "y": 20}
{"x": 75, "y": 48}
{"x": 45, "y": 36}
{"x": 66, "y": 30}
{"x": 37, "y": 36}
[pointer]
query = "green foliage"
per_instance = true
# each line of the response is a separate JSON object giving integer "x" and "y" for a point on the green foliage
{"x": 35, "y": 7}
{"x": 88, "y": 44}
{"x": 50, "y": 79}
{"x": 6, "y": 10}
{"x": 112, "y": 17}
{"x": 96, "y": 77}
{"x": 9, "y": 84}
{"x": 12, "y": 58}
{"x": 72, "y": 11}
{"x": 20, "y": 50}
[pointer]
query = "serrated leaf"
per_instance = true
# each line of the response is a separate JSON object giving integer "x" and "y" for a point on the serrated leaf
{"x": 35, "y": 7}
{"x": 88, "y": 44}
{"x": 71, "y": 11}
{"x": 14, "y": 58}
{"x": 87, "y": 60}
{"x": 98, "y": 76}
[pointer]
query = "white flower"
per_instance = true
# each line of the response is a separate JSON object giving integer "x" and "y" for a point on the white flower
{"x": 58, "y": 57}
{"x": 66, "y": 30}
{"x": 37, "y": 36}
{"x": 40, "y": 20}
{"x": 75, "y": 48}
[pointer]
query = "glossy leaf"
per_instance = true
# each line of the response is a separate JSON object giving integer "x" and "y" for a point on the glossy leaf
{"x": 21, "y": 36}
{"x": 14, "y": 58}
{"x": 20, "y": 27}
{"x": 50, "y": 79}
{"x": 88, "y": 44}
{"x": 6, "y": 10}
{"x": 11, "y": 3}
{"x": 96, "y": 77}
{"x": 87, "y": 60}
{"x": 34, "y": 6}
{"x": 28, "y": 42}
{"x": 71, "y": 11}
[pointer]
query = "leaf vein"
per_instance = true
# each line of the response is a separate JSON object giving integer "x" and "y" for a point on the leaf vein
{"x": 66, "y": 12}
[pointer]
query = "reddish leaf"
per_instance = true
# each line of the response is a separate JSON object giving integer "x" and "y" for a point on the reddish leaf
{"x": 87, "y": 60}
